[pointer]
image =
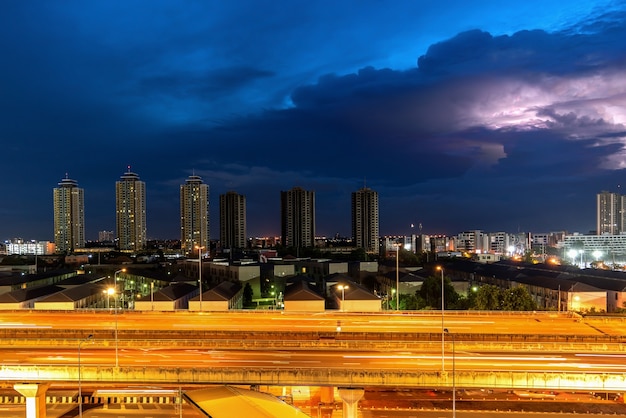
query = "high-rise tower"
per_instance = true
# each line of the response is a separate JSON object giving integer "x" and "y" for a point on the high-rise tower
{"x": 233, "y": 220}
{"x": 130, "y": 211}
{"x": 297, "y": 218}
{"x": 194, "y": 215}
{"x": 609, "y": 219}
{"x": 365, "y": 219}
{"x": 69, "y": 216}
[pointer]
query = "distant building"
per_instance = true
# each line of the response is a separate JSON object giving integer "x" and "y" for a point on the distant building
{"x": 194, "y": 215}
{"x": 472, "y": 241}
{"x": 610, "y": 213}
{"x": 365, "y": 219}
{"x": 233, "y": 220}
{"x": 106, "y": 236}
{"x": 130, "y": 208}
{"x": 582, "y": 250}
{"x": 297, "y": 218}
{"x": 69, "y": 216}
{"x": 21, "y": 247}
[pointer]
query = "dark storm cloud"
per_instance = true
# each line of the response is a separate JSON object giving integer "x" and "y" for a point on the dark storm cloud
{"x": 483, "y": 118}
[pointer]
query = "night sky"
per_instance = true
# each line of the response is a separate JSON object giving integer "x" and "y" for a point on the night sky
{"x": 484, "y": 114}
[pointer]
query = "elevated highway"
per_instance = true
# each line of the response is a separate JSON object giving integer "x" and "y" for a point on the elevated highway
{"x": 522, "y": 351}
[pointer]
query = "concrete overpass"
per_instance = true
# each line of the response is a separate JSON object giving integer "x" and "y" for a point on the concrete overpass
{"x": 562, "y": 353}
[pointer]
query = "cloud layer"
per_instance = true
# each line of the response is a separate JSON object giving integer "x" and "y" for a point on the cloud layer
{"x": 487, "y": 129}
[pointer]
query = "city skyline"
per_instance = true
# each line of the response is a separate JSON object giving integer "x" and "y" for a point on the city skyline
{"x": 491, "y": 116}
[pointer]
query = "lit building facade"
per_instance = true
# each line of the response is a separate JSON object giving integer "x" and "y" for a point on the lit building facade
{"x": 106, "y": 236}
{"x": 194, "y": 215}
{"x": 610, "y": 213}
{"x": 69, "y": 216}
{"x": 365, "y": 219}
{"x": 297, "y": 212}
{"x": 130, "y": 208}
{"x": 582, "y": 250}
{"x": 23, "y": 247}
{"x": 232, "y": 220}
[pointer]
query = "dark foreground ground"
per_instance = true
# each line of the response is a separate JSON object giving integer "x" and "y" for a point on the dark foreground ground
{"x": 580, "y": 403}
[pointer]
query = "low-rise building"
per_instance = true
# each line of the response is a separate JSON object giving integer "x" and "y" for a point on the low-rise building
{"x": 173, "y": 297}
{"x": 223, "y": 297}
{"x": 300, "y": 296}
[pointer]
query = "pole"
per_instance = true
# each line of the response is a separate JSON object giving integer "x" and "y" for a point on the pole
{"x": 152, "y": 295}
{"x": 453, "y": 373}
{"x": 80, "y": 387}
{"x": 117, "y": 359}
{"x": 343, "y": 295}
{"x": 453, "y": 378}
{"x": 397, "y": 277}
{"x": 443, "y": 366}
{"x": 200, "y": 273}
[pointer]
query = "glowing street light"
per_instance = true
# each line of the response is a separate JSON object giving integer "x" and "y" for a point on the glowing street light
{"x": 200, "y": 272}
{"x": 113, "y": 291}
{"x": 397, "y": 245}
{"x": 443, "y": 368}
{"x": 343, "y": 293}
{"x": 80, "y": 387}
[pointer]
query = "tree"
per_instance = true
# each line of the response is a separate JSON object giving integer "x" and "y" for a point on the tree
{"x": 359, "y": 254}
{"x": 430, "y": 292}
{"x": 247, "y": 295}
{"x": 492, "y": 298}
{"x": 517, "y": 299}
{"x": 488, "y": 298}
{"x": 408, "y": 302}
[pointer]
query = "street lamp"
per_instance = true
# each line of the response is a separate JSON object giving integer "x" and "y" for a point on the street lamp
{"x": 111, "y": 291}
{"x": 453, "y": 374}
{"x": 397, "y": 245}
{"x": 80, "y": 388}
{"x": 115, "y": 283}
{"x": 443, "y": 368}
{"x": 152, "y": 295}
{"x": 114, "y": 292}
{"x": 343, "y": 293}
{"x": 200, "y": 272}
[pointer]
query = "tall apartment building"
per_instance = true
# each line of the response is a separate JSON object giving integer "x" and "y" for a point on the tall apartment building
{"x": 233, "y": 220}
{"x": 365, "y": 219}
{"x": 130, "y": 212}
{"x": 610, "y": 213}
{"x": 194, "y": 215}
{"x": 69, "y": 216}
{"x": 297, "y": 215}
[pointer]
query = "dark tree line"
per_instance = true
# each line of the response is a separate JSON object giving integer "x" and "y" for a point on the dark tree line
{"x": 486, "y": 297}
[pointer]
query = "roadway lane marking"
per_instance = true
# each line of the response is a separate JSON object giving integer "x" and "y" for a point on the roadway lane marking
{"x": 600, "y": 355}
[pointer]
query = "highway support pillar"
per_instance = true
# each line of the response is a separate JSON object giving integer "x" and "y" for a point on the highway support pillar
{"x": 35, "y": 394}
{"x": 327, "y": 394}
{"x": 350, "y": 398}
